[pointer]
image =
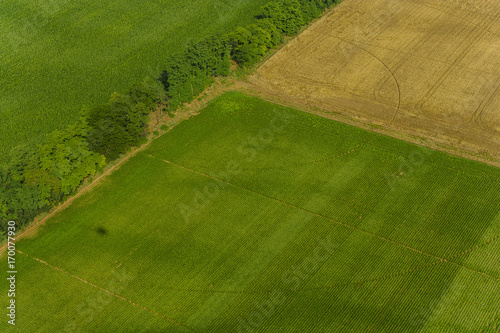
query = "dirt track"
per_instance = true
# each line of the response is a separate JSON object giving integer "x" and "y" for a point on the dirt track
{"x": 428, "y": 67}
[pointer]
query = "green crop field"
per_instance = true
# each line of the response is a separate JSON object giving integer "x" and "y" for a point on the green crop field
{"x": 57, "y": 56}
{"x": 253, "y": 217}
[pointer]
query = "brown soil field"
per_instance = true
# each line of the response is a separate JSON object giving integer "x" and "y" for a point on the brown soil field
{"x": 426, "y": 67}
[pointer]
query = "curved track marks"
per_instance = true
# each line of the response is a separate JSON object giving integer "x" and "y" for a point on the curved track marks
{"x": 436, "y": 53}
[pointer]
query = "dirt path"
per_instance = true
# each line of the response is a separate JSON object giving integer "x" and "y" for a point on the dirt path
{"x": 107, "y": 291}
{"x": 188, "y": 111}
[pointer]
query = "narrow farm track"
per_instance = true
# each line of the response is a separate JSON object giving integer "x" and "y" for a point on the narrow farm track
{"x": 32, "y": 228}
{"x": 135, "y": 248}
{"x": 335, "y": 221}
{"x": 334, "y": 286}
{"x": 106, "y": 291}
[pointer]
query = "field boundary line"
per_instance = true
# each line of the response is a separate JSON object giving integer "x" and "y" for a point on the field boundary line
{"x": 265, "y": 95}
{"x": 448, "y": 260}
{"x": 402, "y": 134}
{"x": 105, "y": 290}
{"x": 330, "y": 219}
{"x": 140, "y": 244}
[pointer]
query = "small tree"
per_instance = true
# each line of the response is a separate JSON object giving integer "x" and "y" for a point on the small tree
{"x": 286, "y": 15}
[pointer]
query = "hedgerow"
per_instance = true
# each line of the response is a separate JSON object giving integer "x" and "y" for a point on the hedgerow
{"x": 35, "y": 179}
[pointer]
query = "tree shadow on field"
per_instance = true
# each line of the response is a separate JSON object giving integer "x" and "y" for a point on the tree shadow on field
{"x": 101, "y": 231}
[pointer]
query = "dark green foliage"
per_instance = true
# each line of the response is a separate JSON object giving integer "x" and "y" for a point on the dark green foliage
{"x": 50, "y": 183}
{"x": 183, "y": 81}
{"x": 249, "y": 44}
{"x": 117, "y": 125}
{"x": 20, "y": 159}
{"x": 210, "y": 55}
{"x": 150, "y": 93}
{"x": 285, "y": 14}
{"x": 290, "y": 15}
{"x": 189, "y": 73}
{"x": 65, "y": 157}
{"x": 268, "y": 25}
{"x": 20, "y": 200}
{"x": 114, "y": 127}
{"x": 35, "y": 179}
{"x": 278, "y": 18}
{"x": 311, "y": 9}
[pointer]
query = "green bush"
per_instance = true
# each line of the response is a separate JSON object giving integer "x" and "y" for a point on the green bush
{"x": 187, "y": 74}
{"x": 287, "y": 15}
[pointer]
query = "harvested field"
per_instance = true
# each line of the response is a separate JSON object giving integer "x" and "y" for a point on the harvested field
{"x": 431, "y": 67}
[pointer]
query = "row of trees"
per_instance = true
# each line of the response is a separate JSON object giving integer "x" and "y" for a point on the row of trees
{"x": 190, "y": 72}
{"x": 37, "y": 178}
{"x": 187, "y": 74}
{"x": 278, "y": 18}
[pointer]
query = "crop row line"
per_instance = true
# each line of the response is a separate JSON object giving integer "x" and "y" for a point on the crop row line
{"x": 120, "y": 262}
{"x": 491, "y": 323}
{"x": 107, "y": 291}
{"x": 330, "y": 219}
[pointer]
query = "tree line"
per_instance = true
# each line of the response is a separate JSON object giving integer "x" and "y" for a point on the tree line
{"x": 37, "y": 178}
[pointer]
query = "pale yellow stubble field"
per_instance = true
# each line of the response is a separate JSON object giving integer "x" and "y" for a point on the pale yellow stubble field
{"x": 428, "y": 66}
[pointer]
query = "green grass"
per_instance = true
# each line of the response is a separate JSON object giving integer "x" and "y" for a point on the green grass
{"x": 416, "y": 253}
{"x": 58, "y": 56}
